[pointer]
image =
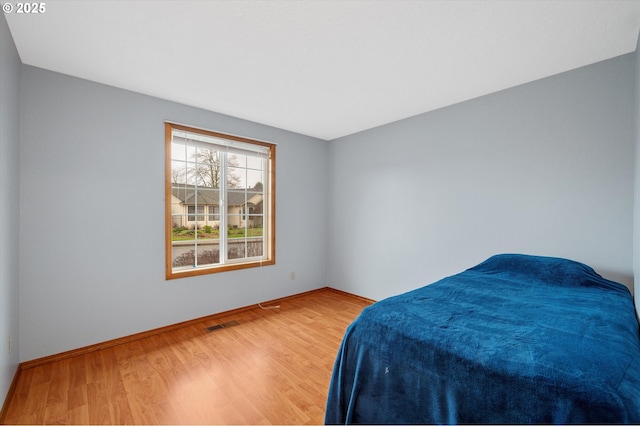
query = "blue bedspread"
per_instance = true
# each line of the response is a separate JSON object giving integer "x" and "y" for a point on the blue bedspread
{"x": 516, "y": 339}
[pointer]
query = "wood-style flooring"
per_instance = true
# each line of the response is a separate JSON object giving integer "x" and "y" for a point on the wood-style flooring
{"x": 273, "y": 367}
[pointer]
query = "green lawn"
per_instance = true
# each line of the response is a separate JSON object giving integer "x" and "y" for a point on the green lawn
{"x": 214, "y": 234}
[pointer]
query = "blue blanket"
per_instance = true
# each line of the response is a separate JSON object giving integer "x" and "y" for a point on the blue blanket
{"x": 516, "y": 339}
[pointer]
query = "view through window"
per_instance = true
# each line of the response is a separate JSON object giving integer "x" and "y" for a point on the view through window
{"x": 220, "y": 211}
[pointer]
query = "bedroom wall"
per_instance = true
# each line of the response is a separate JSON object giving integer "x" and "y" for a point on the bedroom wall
{"x": 636, "y": 235}
{"x": 544, "y": 168}
{"x": 92, "y": 252}
{"x": 9, "y": 206}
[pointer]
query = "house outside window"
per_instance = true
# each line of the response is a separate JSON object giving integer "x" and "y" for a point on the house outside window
{"x": 220, "y": 202}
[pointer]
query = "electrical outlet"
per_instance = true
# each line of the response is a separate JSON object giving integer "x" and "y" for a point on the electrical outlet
{"x": 292, "y": 275}
{"x": 10, "y": 344}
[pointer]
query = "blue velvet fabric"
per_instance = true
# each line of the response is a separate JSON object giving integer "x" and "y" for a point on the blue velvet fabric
{"x": 517, "y": 339}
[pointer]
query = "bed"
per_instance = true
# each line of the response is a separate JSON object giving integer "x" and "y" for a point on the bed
{"x": 516, "y": 339}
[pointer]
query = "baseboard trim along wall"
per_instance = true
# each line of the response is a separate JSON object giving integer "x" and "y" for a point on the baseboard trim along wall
{"x": 133, "y": 337}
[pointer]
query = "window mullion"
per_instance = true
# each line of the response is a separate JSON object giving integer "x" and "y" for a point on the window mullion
{"x": 266, "y": 206}
{"x": 196, "y": 217}
{"x": 223, "y": 207}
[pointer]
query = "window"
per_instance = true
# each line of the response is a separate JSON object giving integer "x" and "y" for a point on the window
{"x": 220, "y": 202}
{"x": 214, "y": 213}
{"x": 193, "y": 210}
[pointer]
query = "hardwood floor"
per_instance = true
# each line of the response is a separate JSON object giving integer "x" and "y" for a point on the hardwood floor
{"x": 272, "y": 368}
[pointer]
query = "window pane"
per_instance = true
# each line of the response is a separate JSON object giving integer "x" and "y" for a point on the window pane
{"x": 208, "y": 252}
{"x": 214, "y": 216}
{"x": 178, "y": 172}
{"x": 189, "y": 152}
{"x": 183, "y": 232}
{"x": 255, "y": 179}
{"x": 207, "y": 167}
{"x": 235, "y": 200}
{"x": 236, "y": 250}
{"x": 256, "y": 247}
{"x": 188, "y": 254}
{"x": 178, "y": 152}
{"x": 236, "y": 177}
{"x": 183, "y": 254}
{"x": 244, "y": 248}
{"x": 237, "y": 160}
{"x": 196, "y": 214}
{"x": 236, "y": 227}
{"x": 254, "y": 163}
{"x": 255, "y": 226}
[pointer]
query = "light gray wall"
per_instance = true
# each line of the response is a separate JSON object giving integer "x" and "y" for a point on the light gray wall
{"x": 545, "y": 168}
{"x": 636, "y": 239}
{"x": 9, "y": 205}
{"x": 92, "y": 253}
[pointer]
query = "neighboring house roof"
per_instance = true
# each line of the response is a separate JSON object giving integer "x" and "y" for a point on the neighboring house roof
{"x": 187, "y": 195}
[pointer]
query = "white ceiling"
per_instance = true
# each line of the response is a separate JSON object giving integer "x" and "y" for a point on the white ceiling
{"x": 322, "y": 68}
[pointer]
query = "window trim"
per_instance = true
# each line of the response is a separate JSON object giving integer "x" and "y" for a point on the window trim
{"x": 270, "y": 236}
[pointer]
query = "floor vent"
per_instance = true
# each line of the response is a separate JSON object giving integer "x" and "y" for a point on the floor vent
{"x": 223, "y": 325}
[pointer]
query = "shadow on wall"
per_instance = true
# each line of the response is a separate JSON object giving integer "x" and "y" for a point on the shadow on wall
{"x": 618, "y": 277}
